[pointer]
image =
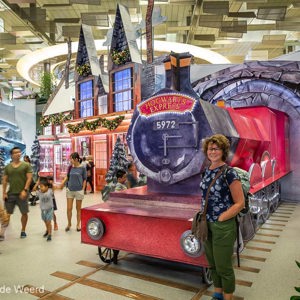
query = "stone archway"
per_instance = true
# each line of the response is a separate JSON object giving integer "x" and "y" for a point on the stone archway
{"x": 274, "y": 84}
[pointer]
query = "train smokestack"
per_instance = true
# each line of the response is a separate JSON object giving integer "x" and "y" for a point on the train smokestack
{"x": 180, "y": 73}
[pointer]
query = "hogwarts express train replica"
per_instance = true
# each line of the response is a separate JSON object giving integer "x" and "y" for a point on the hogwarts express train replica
{"x": 164, "y": 138}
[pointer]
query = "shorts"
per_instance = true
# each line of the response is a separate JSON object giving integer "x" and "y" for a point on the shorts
{"x": 13, "y": 200}
{"x": 78, "y": 195}
{"x": 47, "y": 214}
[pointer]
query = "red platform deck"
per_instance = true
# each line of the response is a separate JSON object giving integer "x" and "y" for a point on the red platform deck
{"x": 145, "y": 223}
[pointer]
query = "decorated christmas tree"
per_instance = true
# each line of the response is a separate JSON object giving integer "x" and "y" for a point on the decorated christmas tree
{"x": 35, "y": 158}
{"x": 2, "y": 162}
{"x": 118, "y": 161}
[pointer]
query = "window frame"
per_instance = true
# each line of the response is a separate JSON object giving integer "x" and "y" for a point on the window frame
{"x": 112, "y": 103}
{"x": 80, "y": 101}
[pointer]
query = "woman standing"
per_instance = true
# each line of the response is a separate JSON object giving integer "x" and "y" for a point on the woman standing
{"x": 27, "y": 159}
{"x": 225, "y": 201}
{"x": 75, "y": 182}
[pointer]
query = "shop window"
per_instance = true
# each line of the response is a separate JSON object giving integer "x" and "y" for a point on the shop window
{"x": 48, "y": 130}
{"x": 83, "y": 146}
{"x": 57, "y": 129}
{"x": 86, "y": 95}
{"x": 101, "y": 154}
{"x": 65, "y": 128}
{"x": 57, "y": 155}
{"x": 66, "y": 152}
{"x": 102, "y": 104}
{"x": 122, "y": 90}
{"x": 46, "y": 158}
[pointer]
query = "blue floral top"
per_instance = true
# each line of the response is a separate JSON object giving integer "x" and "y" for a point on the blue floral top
{"x": 220, "y": 198}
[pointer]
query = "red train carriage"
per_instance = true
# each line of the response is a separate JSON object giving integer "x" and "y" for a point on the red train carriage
{"x": 165, "y": 142}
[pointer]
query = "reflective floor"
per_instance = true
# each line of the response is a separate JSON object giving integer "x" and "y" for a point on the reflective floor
{"x": 33, "y": 268}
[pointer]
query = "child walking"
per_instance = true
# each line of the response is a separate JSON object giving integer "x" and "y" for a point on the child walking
{"x": 50, "y": 182}
{"x": 51, "y": 187}
{"x": 46, "y": 204}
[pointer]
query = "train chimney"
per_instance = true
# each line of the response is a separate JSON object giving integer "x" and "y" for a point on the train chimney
{"x": 180, "y": 63}
{"x": 168, "y": 69}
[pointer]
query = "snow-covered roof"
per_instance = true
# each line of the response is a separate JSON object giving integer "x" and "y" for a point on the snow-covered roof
{"x": 63, "y": 100}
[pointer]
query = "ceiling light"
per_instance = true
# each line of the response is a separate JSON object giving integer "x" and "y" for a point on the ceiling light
{"x": 18, "y": 88}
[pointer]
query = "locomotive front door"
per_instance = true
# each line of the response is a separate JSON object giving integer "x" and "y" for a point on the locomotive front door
{"x": 101, "y": 163}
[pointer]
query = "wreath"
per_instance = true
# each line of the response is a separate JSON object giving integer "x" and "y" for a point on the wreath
{"x": 120, "y": 57}
{"x": 83, "y": 70}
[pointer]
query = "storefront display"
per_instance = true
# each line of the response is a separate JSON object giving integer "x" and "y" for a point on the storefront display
{"x": 46, "y": 158}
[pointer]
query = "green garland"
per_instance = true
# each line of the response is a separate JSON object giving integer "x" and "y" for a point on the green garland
{"x": 83, "y": 70}
{"x": 55, "y": 119}
{"x": 120, "y": 57}
{"x": 93, "y": 125}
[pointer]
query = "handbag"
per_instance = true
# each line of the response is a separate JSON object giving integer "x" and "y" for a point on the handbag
{"x": 199, "y": 224}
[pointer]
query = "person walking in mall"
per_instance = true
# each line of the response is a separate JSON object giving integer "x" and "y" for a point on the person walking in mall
{"x": 75, "y": 182}
{"x": 27, "y": 159}
{"x": 46, "y": 196}
{"x": 18, "y": 175}
{"x": 89, "y": 174}
{"x": 225, "y": 200}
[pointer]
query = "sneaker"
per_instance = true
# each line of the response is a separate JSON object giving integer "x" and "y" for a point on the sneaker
{"x": 49, "y": 238}
{"x": 55, "y": 226}
{"x": 2, "y": 238}
{"x": 45, "y": 234}
{"x": 23, "y": 235}
{"x": 92, "y": 192}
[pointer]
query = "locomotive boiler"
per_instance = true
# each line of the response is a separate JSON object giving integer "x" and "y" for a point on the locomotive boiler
{"x": 165, "y": 138}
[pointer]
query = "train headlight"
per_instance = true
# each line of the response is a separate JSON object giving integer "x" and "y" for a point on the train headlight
{"x": 191, "y": 245}
{"x": 95, "y": 228}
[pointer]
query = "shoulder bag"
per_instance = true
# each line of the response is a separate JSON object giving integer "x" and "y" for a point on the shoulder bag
{"x": 199, "y": 224}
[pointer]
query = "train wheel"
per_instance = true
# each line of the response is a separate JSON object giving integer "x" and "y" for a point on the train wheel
{"x": 108, "y": 255}
{"x": 206, "y": 276}
{"x": 265, "y": 205}
{"x": 258, "y": 220}
{"x": 256, "y": 209}
{"x": 275, "y": 188}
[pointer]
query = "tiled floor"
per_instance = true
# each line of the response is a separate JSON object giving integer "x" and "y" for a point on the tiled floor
{"x": 64, "y": 268}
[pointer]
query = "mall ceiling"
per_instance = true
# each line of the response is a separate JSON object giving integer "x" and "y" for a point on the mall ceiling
{"x": 239, "y": 30}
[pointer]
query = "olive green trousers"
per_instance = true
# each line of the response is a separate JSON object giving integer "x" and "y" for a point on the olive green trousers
{"x": 219, "y": 252}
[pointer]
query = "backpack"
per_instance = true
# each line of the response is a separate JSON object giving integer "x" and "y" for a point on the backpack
{"x": 245, "y": 181}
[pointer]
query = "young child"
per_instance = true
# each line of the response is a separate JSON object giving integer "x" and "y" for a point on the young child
{"x": 50, "y": 185}
{"x": 46, "y": 204}
{"x": 50, "y": 181}
{"x": 121, "y": 178}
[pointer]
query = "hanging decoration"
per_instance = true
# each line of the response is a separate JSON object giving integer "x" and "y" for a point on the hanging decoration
{"x": 93, "y": 125}
{"x": 55, "y": 119}
{"x": 120, "y": 57}
{"x": 83, "y": 70}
